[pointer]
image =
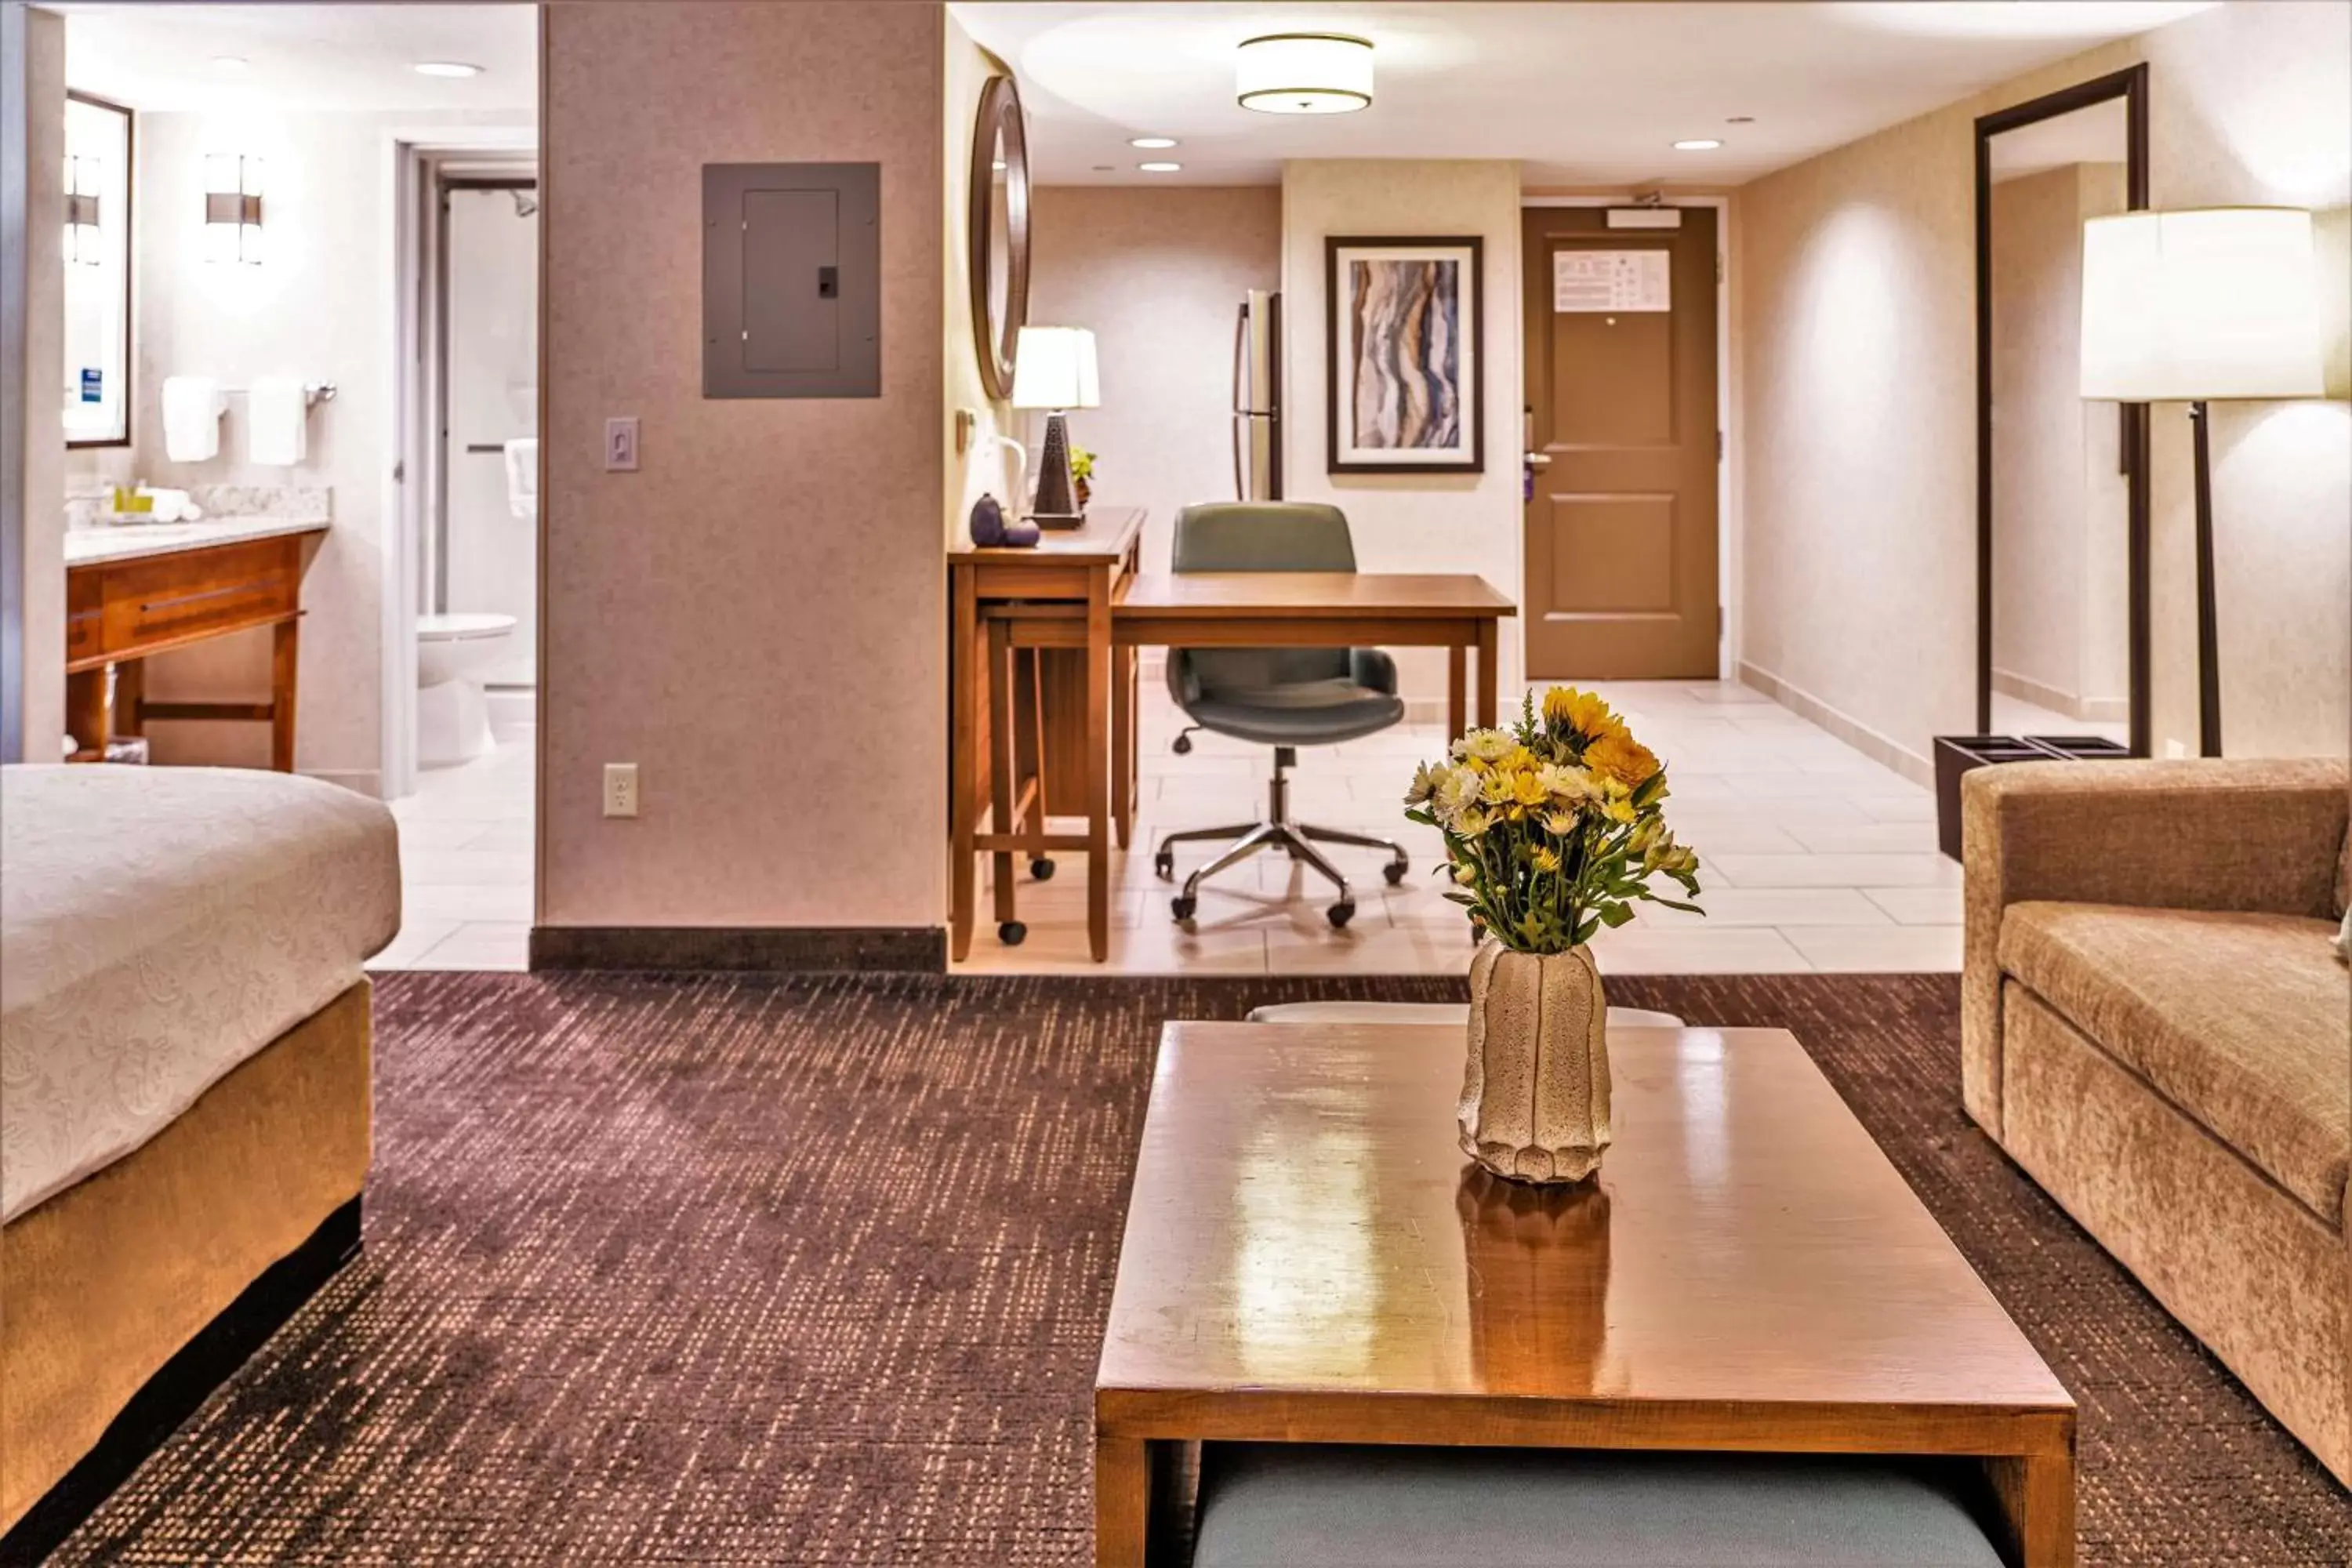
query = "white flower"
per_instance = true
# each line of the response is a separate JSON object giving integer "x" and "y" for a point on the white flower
{"x": 1457, "y": 792}
{"x": 1425, "y": 780}
{"x": 1487, "y": 745}
{"x": 1570, "y": 786}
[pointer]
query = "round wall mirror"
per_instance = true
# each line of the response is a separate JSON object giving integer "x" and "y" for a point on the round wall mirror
{"x": 999, "y": 237}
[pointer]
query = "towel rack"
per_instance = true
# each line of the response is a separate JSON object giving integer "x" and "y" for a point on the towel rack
{"x": 314, "y": 393}
{"x": 487, "y": 447}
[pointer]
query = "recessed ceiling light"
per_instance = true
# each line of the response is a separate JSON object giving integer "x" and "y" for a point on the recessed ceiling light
{"x": 231, "y": 62}
{"x": 447, "y": 67}
{"x": 1152, "y": 143}
{"x": 1698, "y": 144}
{"x": 1159, "y": 168}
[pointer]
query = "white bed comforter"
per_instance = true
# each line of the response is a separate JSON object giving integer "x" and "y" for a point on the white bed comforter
{"x": 158, "y": 926}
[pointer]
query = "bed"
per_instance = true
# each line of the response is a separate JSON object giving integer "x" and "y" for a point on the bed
{"x": 183, "y": 1096}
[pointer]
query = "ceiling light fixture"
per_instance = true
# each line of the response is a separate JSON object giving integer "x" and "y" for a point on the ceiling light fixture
{"x": 1152, "y": 143}
{"x": 1305, "y": 73}
{"x": 1698, "y": 144}
{"x": 231, "y": 62}
{"x": 1159, "y": 168}
{"x": 446, "y": 69}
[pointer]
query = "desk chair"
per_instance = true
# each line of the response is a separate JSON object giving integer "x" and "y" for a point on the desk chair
{"x": 1282, "y": 697}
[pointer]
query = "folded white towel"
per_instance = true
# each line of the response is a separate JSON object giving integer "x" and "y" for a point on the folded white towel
{"x": 278, "y": 421}
{"x": 192, "y": 411}
{"x": 523, "y": 478}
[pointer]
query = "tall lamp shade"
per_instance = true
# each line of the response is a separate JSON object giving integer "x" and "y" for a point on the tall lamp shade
{"x": 2198, "y": 306}
{"x": 1054, "y": 369}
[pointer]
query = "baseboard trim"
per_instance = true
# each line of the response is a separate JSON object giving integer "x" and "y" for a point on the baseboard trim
{"x": 784, "y": 950}
{"x": 1878, "y": 747}
{"x": 2090, "y": 709}
{"x": 182, "y": 1385}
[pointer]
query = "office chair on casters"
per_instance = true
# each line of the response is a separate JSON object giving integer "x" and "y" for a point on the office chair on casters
{"x": 1281, "y": 697}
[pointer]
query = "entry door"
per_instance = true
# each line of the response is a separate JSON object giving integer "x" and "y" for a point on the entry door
{"x": 1622, "y": 447}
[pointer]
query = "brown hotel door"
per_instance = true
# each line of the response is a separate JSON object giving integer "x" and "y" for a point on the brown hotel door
{"x": 1622, "y": 447}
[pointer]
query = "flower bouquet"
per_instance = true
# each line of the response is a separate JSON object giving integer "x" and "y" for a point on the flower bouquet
{"x": 1555, "y": 829}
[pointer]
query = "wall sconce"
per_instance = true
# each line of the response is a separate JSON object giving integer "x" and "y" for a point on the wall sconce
{"x": 82, "y": 245}
{"x": 232, "y": 209}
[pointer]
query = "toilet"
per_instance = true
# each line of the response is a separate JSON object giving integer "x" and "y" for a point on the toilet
{"x": 453, "y": 711}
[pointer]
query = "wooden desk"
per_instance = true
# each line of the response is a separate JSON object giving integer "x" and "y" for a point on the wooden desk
{"x": 120, "y": 612}
{"x": 1457, "y": 612}
{"x": 1308, "y": 1259}
{"x": 1073, "y": 576}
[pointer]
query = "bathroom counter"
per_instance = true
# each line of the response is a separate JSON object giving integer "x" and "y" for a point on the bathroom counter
{"x": 135, "y": 590}
{"x": 136, "y": 541}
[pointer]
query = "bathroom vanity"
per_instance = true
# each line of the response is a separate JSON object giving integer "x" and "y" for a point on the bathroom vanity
{"x": 140, "y": 589}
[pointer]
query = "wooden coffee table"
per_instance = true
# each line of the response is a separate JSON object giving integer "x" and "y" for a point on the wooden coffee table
{"x": 1310, "y": 1258}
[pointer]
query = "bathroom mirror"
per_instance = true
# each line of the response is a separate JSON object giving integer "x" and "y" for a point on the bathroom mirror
{"x": 998, "y": 233}
{"x": 2063, "y": 484}
{"x": 97, "y": 217}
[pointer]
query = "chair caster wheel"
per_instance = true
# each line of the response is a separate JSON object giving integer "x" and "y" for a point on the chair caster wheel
{"x": 1181, "y": 745}
{"x": 1164, "y": 864}
{"x": 1042, "y": 870}
{"x": 1394, "y": 871}
{"x": 1181, "y": 906}
{"x": 1012, "y": 933}
{"x": 1341, "y": 914}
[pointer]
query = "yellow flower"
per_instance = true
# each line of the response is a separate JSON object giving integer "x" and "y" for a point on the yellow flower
{"x": 1622, "y": 758}
{"x": 1546, "y": 862}
{"x": 1527, "y": 788}
{"x": 1561, "y": 824}
{"x": 1565, "y": 706}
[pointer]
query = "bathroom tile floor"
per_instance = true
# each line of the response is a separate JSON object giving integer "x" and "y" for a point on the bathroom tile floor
{"x": 1816, "y": 857}
{"x": 466, "y": 848}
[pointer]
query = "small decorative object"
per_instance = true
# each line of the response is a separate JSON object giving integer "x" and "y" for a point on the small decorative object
{"x": 1056, "y": 372}
{"x": 987, "y": 523}
{"x": 1403, "y": 324}
{"x": 1082, "y": 474}
{"x": 1021, "y": 532}
{"x": 1554, "y": 830}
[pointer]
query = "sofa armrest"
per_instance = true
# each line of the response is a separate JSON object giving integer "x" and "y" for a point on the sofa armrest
{"x": 2215, "y": 834}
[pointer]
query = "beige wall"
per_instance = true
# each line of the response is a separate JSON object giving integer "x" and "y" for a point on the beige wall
{"x": 1858, "y": 401}
{"x": 2060, "y": 506}
{"x": 314, "y": 308}
{"x": 1410, "y": 522}
{"x": 44, "y": 108}
{"x": 757, "y": 618}
{"x": 1159, "y": 275}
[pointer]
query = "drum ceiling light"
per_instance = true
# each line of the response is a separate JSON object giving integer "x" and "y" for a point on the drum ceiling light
{"x": 1305, "y": 73}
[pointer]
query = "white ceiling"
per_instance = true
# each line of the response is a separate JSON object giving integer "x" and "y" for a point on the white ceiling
{"x": 2094, "y": 135}
{"x": 1581, "y": 93}
{"x": 301, "y": 57}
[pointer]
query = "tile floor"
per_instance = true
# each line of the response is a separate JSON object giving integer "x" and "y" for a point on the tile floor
{"x": 1816, "y": 858}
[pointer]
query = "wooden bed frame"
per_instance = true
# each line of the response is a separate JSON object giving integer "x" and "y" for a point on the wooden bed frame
{"x": 134, "y": 1294}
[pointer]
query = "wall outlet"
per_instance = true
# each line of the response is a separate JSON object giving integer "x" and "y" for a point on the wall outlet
{"x": 621, "y": 445}
{"x": 2176, "y": 750}
{"x": 620, "y": 789}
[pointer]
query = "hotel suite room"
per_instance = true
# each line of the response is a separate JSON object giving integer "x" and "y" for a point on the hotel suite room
{"x": 797, "y": 825}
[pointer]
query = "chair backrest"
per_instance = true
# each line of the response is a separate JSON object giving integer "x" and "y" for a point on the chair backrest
{"x": 1263, "y": 536}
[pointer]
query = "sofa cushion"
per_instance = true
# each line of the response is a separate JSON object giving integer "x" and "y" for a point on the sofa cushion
{"x": 2244, "y": 1021}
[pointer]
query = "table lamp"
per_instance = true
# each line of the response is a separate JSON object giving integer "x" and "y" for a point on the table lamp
{"x": 2197, "y": 306}
{"x": 1054, "y": 369}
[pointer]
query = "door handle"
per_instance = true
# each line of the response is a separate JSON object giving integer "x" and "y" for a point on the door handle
{"x": 1539, "y": 460}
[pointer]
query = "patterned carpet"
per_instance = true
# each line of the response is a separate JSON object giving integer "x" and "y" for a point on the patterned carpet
{"x": 700, "y": 1269}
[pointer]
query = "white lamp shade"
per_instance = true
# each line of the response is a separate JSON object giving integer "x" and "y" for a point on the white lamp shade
{"x": 1053, "y": 367}
{"x": 2203, "y": 304}
{"x": 1305, "y": 73}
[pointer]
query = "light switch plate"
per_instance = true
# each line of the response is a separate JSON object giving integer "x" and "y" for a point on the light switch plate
{"x": 621, "y": 445}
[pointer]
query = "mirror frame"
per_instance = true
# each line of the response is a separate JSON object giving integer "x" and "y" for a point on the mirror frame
{"x": 996, "y": 342}
{"x": 130, "y": 268}
{"x": 2131, "y": 85}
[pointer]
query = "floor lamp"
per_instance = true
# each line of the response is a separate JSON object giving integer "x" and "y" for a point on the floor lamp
{"x": 2200, "y": 306}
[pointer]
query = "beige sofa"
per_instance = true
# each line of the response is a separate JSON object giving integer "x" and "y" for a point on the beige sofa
{"x": 2156, "y": 1027}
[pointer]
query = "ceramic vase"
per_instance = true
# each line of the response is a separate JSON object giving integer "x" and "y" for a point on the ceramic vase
{"x": 1535, "y": 1094}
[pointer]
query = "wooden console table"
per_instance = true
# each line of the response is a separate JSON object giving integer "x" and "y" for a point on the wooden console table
{"x": 121, "y": 611}
{"x": 1747, "y": 1273}
{"x": 1080, "y": 598}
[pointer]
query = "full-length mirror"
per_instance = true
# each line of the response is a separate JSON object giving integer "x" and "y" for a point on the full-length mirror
{"x": 97, "y": 273}
{"x": 2062, "y": 512}
{"x": 999, "y": 237}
